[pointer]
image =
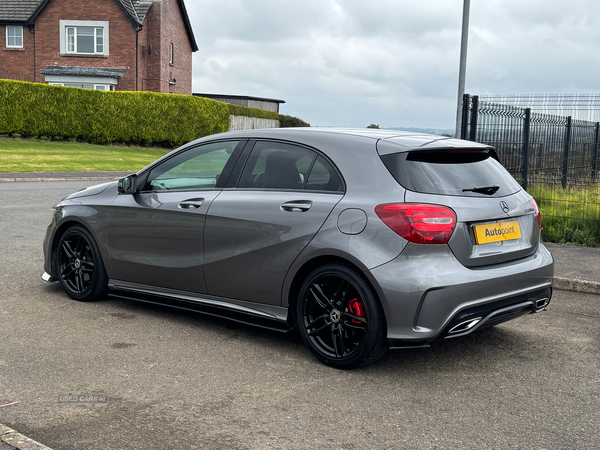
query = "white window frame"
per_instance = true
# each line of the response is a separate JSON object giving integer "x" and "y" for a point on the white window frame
{"x": 73, "y": 45}
{"x": 171, "y": 54}
{"x": 104, "y": 87}
{"x": 14, "y": 27}
{"x": 66, "y": 25}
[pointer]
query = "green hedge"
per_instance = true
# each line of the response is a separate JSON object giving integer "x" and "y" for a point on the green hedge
{"x": 143, "y": 118}
{"x": 290, "y": 121}
{"x": 236, "y": 110}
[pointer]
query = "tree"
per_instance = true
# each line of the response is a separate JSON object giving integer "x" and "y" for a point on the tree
{"x": 373, "y": 126}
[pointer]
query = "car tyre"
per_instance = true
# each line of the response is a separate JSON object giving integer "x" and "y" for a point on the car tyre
{"x": 81, "y": 271}
{"x": 340, "y": 318}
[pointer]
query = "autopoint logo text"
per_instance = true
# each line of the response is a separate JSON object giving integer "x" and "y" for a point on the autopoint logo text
{"x": 499, "y": 231}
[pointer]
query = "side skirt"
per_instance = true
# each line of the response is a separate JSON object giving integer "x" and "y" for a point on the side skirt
{"x": 264, "y": 316}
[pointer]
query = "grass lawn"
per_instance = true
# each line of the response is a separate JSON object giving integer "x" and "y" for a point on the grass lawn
{"x": 569, "y": 216}
{"x": 36, "y": 155}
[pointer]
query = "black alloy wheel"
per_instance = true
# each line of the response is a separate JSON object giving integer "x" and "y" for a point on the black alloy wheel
{"x": 340, "y": 318}
{"x": 81, "y": 269}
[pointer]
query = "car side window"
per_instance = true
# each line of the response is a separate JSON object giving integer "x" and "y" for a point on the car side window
{"x": 197, "y": 168}
{"x": 323, "y": 177}
{"x": 274, "y": 165}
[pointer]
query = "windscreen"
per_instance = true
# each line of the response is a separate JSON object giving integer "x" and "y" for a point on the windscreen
{"x": 451, "y": 172}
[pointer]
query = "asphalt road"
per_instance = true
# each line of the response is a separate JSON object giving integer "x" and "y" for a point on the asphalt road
{"x": 179, "y": 380}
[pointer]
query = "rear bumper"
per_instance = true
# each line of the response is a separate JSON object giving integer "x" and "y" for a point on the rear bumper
{"x": 490, "y": 314}
{"x": 426, "y": 293}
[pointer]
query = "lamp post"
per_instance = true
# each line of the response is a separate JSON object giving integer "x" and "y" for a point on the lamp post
{"x": 462, "y": 73}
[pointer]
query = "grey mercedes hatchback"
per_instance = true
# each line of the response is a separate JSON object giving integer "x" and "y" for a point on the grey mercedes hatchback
{"x": 363, "y": 240}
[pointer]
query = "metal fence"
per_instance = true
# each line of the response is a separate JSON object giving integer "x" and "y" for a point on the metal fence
{"x": 555, "y": 156}
{"x": 579, "y": 106}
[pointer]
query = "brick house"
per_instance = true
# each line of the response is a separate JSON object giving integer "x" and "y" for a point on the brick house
{"x": 124, "y": 45}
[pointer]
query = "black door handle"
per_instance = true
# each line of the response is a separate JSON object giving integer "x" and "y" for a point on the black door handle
{"x": 297, "y": 206}
{"x": 193, "y": 203}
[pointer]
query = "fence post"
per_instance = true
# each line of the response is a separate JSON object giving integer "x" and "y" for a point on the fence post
{"x": 465, "y": 115}
{"x": 565, "y": 173}
{"x": 525, "y": 153}
{"x": 595, "y": 155}
{"x": 474, "y": 113}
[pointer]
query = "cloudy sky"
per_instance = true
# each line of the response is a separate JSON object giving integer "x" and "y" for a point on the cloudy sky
{"x": 391, "y": 62}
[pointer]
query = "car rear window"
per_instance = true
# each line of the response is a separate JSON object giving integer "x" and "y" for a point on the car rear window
{"x": 451, "y": 172}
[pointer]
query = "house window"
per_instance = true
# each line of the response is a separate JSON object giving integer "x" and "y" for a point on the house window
{"x": 87, "y": 40}
{"x": 97, "y": 87}
{"x": 84, "y": 37}
{"x": 14, "y": 37}
{"x": 171, "y": 53}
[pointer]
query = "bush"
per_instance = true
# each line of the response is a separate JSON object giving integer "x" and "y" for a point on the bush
{"x": 142, "y": 118}
{"x": 237, "y": 110}
{"x": 289, "y": 121}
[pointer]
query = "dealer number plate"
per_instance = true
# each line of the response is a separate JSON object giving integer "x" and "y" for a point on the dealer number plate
{"x": 495, "y": 232}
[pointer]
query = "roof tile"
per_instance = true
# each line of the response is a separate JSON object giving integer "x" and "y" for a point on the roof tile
{"x": 17, "y": 10}
{"x": 86, "y": 71}
{"x": 130, "y": 10}
{"x": 142, "y": 7}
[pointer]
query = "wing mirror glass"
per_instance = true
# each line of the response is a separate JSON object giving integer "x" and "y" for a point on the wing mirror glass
{"x": 127, "y": 185}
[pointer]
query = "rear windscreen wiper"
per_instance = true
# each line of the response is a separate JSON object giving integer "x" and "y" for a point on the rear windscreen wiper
{"x": 489, "y": 190}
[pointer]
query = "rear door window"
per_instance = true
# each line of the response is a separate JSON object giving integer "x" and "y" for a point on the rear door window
{"x": 451, "y": 172}
{"x": 276, "y": 165}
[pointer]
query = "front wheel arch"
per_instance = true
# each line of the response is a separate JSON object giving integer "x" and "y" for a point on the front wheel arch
{"x": 78, "y": 264}
{"x": 60, "y": 230}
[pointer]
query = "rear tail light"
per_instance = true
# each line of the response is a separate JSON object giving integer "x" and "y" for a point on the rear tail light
{"x": 537, "y": 212}
{"x": 418, "y": 222}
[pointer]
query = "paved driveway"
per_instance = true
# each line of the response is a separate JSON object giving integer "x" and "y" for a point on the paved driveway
{"x": 179, "y": 380}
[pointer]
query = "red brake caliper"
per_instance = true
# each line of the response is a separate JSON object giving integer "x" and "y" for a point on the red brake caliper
{"x": 357, "y": 307}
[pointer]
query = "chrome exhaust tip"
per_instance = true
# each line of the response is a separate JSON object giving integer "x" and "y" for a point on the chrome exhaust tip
{"x": 541, "y": 303}
{"x": 465, "y": 326}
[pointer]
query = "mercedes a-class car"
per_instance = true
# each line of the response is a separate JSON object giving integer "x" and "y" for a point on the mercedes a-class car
{"x": 361, "y": 239}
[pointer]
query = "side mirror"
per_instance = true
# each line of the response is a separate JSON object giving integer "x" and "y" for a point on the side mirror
{"x": 127, "y": 185}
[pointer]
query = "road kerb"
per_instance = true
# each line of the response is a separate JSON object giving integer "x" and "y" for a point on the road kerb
{"x": 16, "y": 179}
{"x": 586, "y": 287}
{"x": 17, "y": 440}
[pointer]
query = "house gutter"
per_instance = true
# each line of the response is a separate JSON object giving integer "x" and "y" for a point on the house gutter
{"x": 32, "y": 29}
{"x": 137, "y": 56}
